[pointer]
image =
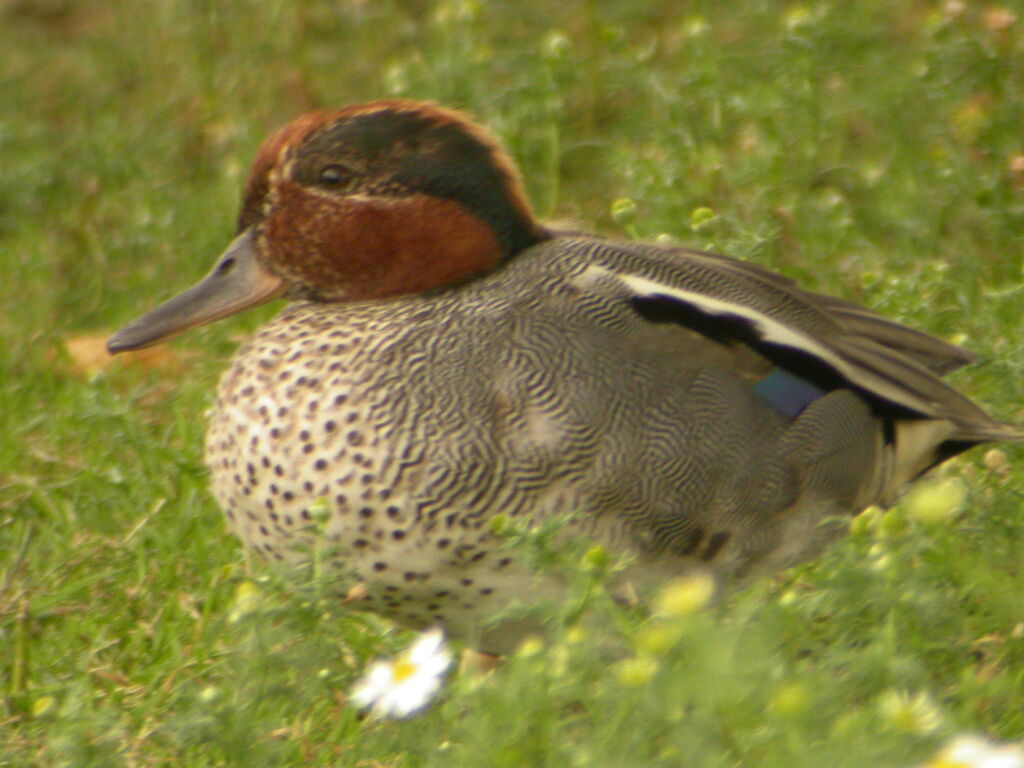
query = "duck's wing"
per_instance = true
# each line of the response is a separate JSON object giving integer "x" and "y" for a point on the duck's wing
{"x": 937, "y": 355}
{"x": 819, "y": 339}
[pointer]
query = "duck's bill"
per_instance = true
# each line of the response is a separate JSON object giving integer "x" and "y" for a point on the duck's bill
{"x": 237, "y": 282}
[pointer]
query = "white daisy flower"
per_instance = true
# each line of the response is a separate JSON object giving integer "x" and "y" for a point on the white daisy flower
{"x": 915, "y": 713}
{"x": 975, "y": 752}
{"x": 405, "y": 685}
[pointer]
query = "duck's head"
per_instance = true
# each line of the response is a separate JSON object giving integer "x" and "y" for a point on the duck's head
{"x": 366, "y": 202}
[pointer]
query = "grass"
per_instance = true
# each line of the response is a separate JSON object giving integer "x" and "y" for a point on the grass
{"x": 870, "y": 150}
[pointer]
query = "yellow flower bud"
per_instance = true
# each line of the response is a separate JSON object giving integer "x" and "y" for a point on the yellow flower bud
{"x": 685, "y": 595}
{"x": 658, "y": 637}
{"x": 624, "y": 211}
{"x": 596, "y": 559}
{"x": 43, "y": 706}
{"x": 248, "y": 599}
{"x": 701, "y": 217}
{"x": 935, "y": 501}
{"x": 632, "y": 673}
{"x": 498, "y": 524}
{"x": 790, "y": 700}
{"x": 997, "y": 462}
{"x": 531, "y": 646}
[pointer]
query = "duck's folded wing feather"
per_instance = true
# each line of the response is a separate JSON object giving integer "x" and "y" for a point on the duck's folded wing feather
{"x": 937, "y": 355}
{"x": 825, "y": 340}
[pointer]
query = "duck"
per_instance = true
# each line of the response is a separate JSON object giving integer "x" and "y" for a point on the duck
{"x": 446, "y": 362}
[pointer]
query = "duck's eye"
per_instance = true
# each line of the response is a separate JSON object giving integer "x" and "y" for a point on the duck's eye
{"x": 333, "y": 175}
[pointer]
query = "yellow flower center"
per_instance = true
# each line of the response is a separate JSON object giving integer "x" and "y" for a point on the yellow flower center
{"x": 402, "y": 670}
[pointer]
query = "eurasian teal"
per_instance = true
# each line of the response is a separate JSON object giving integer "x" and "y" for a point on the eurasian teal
{"x": 446, "y": 358}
